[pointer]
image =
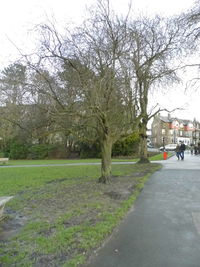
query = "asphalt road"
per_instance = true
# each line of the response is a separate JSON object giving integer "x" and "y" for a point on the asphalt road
{"x": 163, "y": 228}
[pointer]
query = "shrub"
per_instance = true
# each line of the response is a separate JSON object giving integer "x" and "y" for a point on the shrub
{"x": 17, "y": 150}
{"x": 40, "y": 151}
{"x": 89, "y": 150}
{"x": 126, "y": 146}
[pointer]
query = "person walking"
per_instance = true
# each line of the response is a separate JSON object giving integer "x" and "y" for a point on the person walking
{"x": 177, "y": 150}
{"x": 192, "y": 149}
{"x": 195, "y": 150}
{"x": 182, "y": 149}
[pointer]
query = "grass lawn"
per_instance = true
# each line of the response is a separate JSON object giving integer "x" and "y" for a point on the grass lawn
{"x": 60, "y": 214}
{"x": 159, "y": 156}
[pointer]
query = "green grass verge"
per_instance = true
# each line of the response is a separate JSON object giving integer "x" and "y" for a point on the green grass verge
{"x": 158, "y": 156}
{"x": 65, "y": 212}
{"x": 60, "y": 161}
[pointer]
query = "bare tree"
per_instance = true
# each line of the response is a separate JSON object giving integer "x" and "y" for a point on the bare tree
{"x": 191, "y": 21}
{"x": 154, "y": 45}
{"x": 93, "y": 87}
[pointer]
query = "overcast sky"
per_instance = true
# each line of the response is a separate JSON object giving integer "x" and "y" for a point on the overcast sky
{"x": 18, "y": 18}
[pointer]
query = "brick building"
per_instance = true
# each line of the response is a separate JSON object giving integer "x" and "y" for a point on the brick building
{"x": 173, "y": 130}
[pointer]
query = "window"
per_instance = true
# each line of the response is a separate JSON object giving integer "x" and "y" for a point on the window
{"x": 190, "y": 125}
{"x": 163, "y": 131}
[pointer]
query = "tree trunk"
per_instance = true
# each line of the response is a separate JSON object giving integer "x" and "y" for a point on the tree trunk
{"x": 143, "y": 143}
{"x": 106, "y": 150}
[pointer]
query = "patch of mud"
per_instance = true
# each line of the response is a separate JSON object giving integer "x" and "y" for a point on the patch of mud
{"x": 57, "y": 180}
{"x": 60, "y": 180}
{"x": 114, "y": 179}
{"x": 120, "y": 195}
{"x": 11, "y": 224}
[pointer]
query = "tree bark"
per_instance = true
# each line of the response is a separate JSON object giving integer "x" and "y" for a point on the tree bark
{"x": 143, "y": 143}
{"x": 106, "y": 150}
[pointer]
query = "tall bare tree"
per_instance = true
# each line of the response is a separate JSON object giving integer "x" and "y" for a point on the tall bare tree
{"x": 154, "y": 45}
{"x": 93, "y": 87}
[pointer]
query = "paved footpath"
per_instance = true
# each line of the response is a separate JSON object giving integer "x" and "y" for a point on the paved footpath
{"x": 163, "y": 228}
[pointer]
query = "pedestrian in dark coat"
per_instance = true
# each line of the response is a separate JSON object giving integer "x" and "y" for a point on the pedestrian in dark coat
{"x": 182, "y": 149}
{"x": 178, "y": 151}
